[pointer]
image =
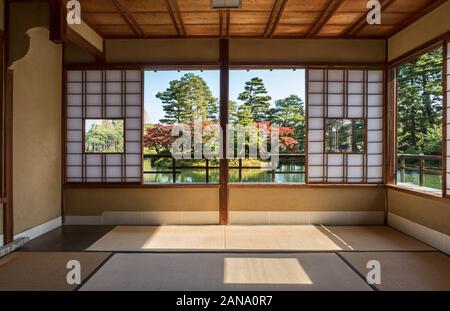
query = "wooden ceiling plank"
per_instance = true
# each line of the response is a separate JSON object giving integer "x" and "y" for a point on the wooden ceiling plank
{"x": 362, "y": 21}
{"x": 332, "y": 7}
{"x": 427, "y": 8}
{"x": 128, "y": 18}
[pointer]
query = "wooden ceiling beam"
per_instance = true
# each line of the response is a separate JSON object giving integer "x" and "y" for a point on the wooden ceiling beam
{"x": 174, "y": 13}
{"x": 128, "y": 18}
{"x": 178, "y": 14}
{"x": 227, "y": 31}
{"x": 332, "y": 7}
{"x": 362, "y": 21}
{"x": 274, "y": 18}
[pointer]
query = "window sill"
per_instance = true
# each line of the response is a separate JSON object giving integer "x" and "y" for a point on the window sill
{"x": 418, "y": 192}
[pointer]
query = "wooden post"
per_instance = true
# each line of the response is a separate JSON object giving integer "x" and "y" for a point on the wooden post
{"x": 402, "y": 169}
{"x": 207, "y": 170}
{"x": 174, "y": 170}
{"x": 240, "y": 170}
{"x": 421, "y": 169}
{"x": 8, "y": 217}
{"x": 224, "y": 95}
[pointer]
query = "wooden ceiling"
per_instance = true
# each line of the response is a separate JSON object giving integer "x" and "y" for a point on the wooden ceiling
{"x": 254, "y": 19}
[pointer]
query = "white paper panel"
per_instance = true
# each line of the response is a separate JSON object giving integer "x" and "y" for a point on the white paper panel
{"x": 355, "y": 75}
{"x": 75, "y": 135}
{"x": 375, "y": 76}
{"x": 74, "y": 100}
{"x": 355, "y": 159}
{"x": 101, "y": 101}
{"x": 93, "y": 87}
{"x": 74, "y": 159}
{"x": 113, "y": 159}
{"x": 315, "y": 123}
{"x": 94, "y": 76}
{"x": 74, "y": 76}
{"x": 356, "y": 165}
{"x": 74, "y": 88}
{"x": 315, "y": 99}
{"x": 335, "y": 159}
{"x": 315, "y": 135}
{"x": 335, "y": 87}
{"x": 315, "y": 75}
{"x": 315, "y": 87}
{"x": 355, "y": 100}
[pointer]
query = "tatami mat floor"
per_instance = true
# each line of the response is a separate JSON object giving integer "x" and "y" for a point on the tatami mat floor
{"x": 225, "y": 258}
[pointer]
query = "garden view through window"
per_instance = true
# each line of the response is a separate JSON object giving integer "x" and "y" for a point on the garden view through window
{"x": 104, "y": 136}
{"x": 272, "y": 98}
{"x": 419, "y": 122}
{"x": 257, "y": 97}
{"x": 345, "y": 135}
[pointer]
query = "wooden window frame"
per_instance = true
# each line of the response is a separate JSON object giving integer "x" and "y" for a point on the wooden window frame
{"x": 228, "y": 66}
{"x": 391, "y": 117}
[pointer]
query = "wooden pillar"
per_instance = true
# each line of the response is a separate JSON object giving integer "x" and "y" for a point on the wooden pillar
{"x": 8, "y": 218}
{"x": 224, "y": 95}
{"x": 7, "y": 128}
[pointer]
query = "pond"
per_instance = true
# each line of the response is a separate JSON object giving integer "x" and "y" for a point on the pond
{"x": 194, "y": 175}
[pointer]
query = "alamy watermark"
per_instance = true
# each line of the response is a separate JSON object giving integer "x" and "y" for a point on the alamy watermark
{"x": 73, "y": 12}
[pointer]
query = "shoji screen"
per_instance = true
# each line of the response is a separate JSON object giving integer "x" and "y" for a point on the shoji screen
{"x": 102, "y": 95}
{"x": 345, "y": 94}
{"x": 447, "y": 104}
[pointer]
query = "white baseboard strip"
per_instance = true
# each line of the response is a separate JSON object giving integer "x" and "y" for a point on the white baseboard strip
{"x": 146, "y": 218}
{"x": 41, "y": 229}
{"x": 37, "y": 231}
{"x": 306, "y": 218}
{"x": 427, "y": 235}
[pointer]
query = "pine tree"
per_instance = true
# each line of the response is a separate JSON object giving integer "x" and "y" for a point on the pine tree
{"x": 290, "y": 112}
{"x": 254, "y": 100}
{"x": 420, "y": 104}
{"x": 188, "y": 99}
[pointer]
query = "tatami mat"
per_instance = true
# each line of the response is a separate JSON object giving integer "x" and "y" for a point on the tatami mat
{"x": 219, "y": 272}
{"x": 256, "y": 238}
{"x": 27, "y": 271}
{"x": 406, "y": 271}
{"x": 162, "y": 238}
{"x": 374, "y": 238}
{"x": 280, "y": 238}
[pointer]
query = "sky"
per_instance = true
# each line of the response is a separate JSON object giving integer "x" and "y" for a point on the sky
{"x": 279, "y": 84}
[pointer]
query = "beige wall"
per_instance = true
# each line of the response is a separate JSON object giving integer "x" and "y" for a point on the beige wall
{"x": 308, "y": 51}
{"x": 435, "y": 23}
{"x": 23, "y": 16}
{"x": 434, "y": 214}
{"x": 162, "y": 50}
{"x": 95, "y": 201}
{"x": 307, "y": 199}
{"x": 37, "y": 132}
{"x": 247, "y": 50}
{"x": 75, "y": 54}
